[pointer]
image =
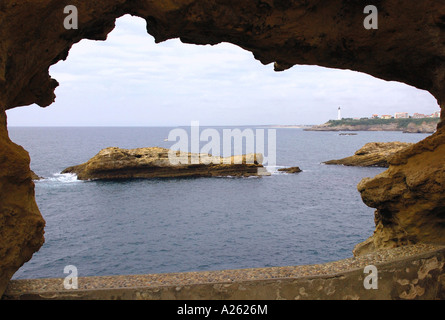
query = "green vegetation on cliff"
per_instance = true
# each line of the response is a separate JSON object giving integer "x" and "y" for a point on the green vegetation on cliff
{"x": 401, "y": 123}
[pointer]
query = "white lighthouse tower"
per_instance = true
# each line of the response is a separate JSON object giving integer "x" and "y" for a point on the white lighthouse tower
{"x": 339, "y": 114}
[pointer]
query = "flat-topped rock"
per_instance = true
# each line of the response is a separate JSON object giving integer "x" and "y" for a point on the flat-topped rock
{"x": 290, "y": 170}
{"x": 154, "y": 162}
{"x": 373, "y": 154}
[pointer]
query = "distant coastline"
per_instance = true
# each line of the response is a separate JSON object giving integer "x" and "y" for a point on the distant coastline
{"x": 296, "y": 126}
{"x": 410, "y": 125}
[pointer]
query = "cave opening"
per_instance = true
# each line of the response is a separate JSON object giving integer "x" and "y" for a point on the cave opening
{"x": 274, "y": 223}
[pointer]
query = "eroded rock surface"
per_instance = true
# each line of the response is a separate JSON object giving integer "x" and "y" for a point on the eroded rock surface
{"x": 145, "y": 163}
{"x": 425, "y": 127}
{"x": 21, "y": 224}
{"x": 373, "y": 154}
{"x": 409, "y": 197}
{"x": 34, "y": 176}
{"x": 409, "y": 46}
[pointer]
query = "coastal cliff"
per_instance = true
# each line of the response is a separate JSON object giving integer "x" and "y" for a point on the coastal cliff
{"x": 21, "y": 224}
{"x": 145, "y": 163}
{"x": 34, "y": 176}
{"x": 373, "y": 154}
{"x": 427, "y": 125}
{"x": 408, "y": 197}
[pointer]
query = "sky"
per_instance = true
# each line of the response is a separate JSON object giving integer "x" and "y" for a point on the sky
{"x": 128, "y": 80}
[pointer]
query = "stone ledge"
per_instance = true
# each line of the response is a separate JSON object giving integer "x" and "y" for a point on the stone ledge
{"x": 410, "y": 272}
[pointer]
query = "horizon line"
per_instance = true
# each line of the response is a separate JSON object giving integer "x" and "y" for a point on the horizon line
{"x": 156, "y": 126}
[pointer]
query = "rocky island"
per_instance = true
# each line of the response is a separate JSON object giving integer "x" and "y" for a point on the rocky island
{"x": 373, "y": 154}
{"x": 423, "y": 125}
{"x": 143, "y": 163}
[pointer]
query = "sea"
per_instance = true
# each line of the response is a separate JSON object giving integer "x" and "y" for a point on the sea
{"x": 196, "y": 224}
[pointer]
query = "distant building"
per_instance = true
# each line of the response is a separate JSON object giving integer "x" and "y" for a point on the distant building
{"x": 339, "y": 114}
{"x": 436, "y": 114}
{"x": 419, "y": 115}
{"x": 401, "y": 115}
{"x": 386, "y": 116}
{"x": 375, "y": 116}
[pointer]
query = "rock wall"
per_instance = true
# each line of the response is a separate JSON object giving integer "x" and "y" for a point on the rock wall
{"x": 21, "y": 224}
{"x": 328, "y": 33}
{"x": 409, "y": 197}
{"x": 391, "y": 125}
{"x": 407, "y": 47}
{"x": 398, "y": 277}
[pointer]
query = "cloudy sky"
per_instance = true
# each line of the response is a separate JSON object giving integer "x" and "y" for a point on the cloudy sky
{"x": 129, "y": 80}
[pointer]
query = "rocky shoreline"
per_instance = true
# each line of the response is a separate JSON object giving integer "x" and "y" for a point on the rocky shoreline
{"x": 154, "y": 162}
{"x": 404, "y": 125}
{"x": 373, "y": 154}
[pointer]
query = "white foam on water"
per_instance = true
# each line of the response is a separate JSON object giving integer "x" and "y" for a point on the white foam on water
{"x": 274, "y": 170}
{"x": 62, "y": 178}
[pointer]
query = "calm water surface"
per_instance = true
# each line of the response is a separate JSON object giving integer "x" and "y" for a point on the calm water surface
{"x": 175, "y": 225}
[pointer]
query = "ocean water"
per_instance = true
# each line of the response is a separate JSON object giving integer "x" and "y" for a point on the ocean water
{"x": 177, "y": 225}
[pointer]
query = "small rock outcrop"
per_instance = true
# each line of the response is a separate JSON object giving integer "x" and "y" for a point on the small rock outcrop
{"x": 144, "y": 163}
{"x": 291, "y": 170}
{"x": 35, "y": 177}
{"x": 373, "y": 154}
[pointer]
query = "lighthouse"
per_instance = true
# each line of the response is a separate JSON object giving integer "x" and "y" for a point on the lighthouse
{"x": 339, "y": 114}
